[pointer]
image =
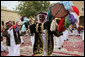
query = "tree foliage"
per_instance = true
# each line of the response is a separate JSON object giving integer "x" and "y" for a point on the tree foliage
{"x": 32, "y": 8}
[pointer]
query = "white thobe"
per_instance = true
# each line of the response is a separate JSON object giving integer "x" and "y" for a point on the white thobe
{"x": 32, "y": 40}
{"x": 14, "y": 50}
{"x": 76, "y": 32}
{"x": 45, "y": 42}
{"x": 21, "y": 37}
{"x": 2, "y": 47}
{"x": 65, "y": 34}
{"x": 59, "y": 41}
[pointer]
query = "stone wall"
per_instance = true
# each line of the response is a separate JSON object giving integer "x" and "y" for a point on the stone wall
{"x": 80, "y": 5}
{"x": 7, "y": 15}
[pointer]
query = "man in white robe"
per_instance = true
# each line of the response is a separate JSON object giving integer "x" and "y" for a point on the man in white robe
{"x": 14, "y": 50}
{"x": 13, "y": 40}
{"x": 59, "y": 39}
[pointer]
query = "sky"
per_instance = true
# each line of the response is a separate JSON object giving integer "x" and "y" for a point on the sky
{"x": 11, "y": 5}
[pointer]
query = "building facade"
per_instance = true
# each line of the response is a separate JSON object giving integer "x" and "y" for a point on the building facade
{"x": 80, "y": 6}
{"x": 7, "y": 15}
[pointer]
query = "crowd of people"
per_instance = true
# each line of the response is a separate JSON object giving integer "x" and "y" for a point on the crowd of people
{"x": 42, "y": 33}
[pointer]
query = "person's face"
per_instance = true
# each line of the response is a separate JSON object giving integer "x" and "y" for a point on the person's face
{"x": 42, "y": 18}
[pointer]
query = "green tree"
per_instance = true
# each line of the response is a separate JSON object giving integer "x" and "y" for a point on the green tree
{"x": 32, "y": 8}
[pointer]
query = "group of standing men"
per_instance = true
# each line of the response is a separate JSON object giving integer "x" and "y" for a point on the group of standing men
{"x": 41, "y": 32}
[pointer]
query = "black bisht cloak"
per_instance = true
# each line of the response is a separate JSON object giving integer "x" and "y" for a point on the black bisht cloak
{"x": 38, "y": 48}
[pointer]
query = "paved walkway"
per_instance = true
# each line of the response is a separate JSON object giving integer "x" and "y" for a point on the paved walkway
{"x": 73, "y": 47}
